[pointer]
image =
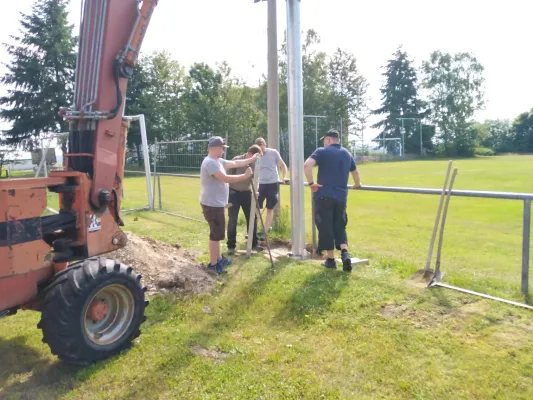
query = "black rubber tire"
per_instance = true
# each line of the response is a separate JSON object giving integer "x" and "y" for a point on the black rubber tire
{"x": 66, "y": 300}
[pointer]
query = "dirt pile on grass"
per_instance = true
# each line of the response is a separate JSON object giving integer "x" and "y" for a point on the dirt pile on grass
{"x": 164, "y": 267}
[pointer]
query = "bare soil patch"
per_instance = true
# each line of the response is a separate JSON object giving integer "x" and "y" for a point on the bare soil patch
{"x": 214, "y": 355}
{"x": 164, "y": 267}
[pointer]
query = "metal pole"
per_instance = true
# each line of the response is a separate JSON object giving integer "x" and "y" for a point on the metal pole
{"x": 403, "y": 135}
{"x": 146, "y": 155}
{"x": 156, "y": 154}
{"x": 273, "y": 77}
{"x": 316, "y": 132}
{"x": 421, "y": 146}
{"x": 340, "y": 138}
{"x": 295, "y": 97}
{"x": 525, "y": 247}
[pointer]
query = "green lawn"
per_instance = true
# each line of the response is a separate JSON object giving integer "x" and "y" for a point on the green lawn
{"x": 300, "y": 331}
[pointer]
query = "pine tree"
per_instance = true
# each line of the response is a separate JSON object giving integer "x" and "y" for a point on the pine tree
{"x": 40, "y": 75}
{"x": 400, "y": 100}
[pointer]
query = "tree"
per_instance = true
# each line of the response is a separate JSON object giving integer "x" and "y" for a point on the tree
{"x": 499, "y": 135}
{"x": 400, "y": 99}
{"x": 347, "y": 91}
{"x": 41, "y": 74}
{"x": 523, "y": 132}
{"x": 454, "y": 85}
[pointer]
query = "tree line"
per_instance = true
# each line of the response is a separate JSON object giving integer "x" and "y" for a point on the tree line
{"x": 430, "y": 107}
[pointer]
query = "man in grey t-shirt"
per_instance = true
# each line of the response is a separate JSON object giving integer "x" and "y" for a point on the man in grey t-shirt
{"x": 269, "y": 179}
{"x": 214, "y": 196}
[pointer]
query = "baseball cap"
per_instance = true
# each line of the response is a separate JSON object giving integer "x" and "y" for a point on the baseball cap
{"x": 331, "y": 133}
{"x": 217, "y": 141}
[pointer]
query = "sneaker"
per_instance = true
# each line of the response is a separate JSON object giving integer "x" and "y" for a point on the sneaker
{"x": 231, "y": 251}
{"x": 258, "y": 248}
{"x": 346, "y": 261}
{"x": 217, "y": 268}
{"x": 223, "y": 261}
{"x": 330, "y": 263}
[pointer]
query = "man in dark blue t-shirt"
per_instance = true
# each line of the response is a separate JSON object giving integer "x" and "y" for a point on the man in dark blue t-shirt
{"x": 330, "y": 194}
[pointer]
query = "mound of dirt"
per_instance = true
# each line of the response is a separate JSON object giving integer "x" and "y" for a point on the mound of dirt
{"x": 164, "y": 267}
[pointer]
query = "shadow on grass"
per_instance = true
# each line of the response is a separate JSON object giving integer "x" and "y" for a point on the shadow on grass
{"x": 314, "y": 297}
{"x": 225, "y": 318}
{"x": 26, "y": 374}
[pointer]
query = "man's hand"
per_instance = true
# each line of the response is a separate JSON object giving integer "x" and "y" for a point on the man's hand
{"x": 315, "y": 186}
{"x": 285, "y": 181}
{"x": 253, "y": 158}
{"x": 248, "y": 173}
{"x": 356, "y": 186}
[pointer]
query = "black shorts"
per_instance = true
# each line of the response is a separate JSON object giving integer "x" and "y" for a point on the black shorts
{"x": 270, "y": 192}
{"x": 217, "y": 222}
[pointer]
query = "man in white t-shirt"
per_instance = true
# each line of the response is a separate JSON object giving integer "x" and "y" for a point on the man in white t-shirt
{"x": 269, "y": 180}
{"x": 214, "y": 196}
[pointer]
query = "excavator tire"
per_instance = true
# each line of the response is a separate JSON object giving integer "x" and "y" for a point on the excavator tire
{"x": 92, "y": 311}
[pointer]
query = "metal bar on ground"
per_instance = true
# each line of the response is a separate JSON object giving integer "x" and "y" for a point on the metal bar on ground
{"x": 514, "y": 303}
{"x": 526, "y": 232}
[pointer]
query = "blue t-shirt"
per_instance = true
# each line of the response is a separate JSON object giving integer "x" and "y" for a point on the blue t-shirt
{"x": 334, "y": 166}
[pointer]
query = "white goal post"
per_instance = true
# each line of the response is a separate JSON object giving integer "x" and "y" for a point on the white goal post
{"x": 146, "y": 157}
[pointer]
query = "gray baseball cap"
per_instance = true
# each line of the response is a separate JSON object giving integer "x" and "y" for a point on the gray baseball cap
{"x": 217, "y": 141}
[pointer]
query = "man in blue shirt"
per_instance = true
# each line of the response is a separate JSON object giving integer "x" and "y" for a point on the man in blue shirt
{"x": 330, "y": 193}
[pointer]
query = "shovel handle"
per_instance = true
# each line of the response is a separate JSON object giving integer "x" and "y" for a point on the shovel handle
{"x": 437, "y": 218}
{"x": 441, "y": 233}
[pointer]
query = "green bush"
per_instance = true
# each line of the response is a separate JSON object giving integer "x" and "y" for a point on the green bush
{"x": 484, "y": 151}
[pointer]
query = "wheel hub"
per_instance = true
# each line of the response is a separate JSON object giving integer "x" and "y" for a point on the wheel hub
{"x": 109, "y": 314}
{"x": 98, "y": 310}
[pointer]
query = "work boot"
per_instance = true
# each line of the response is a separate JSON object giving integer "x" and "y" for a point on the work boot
{"x": 231, "y": 251}
{"x": 346, "y": 261}
{"x": 258, "y": 248}
{"x": 330, "y": 263}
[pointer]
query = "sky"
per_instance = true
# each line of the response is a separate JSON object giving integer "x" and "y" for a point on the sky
{"x": 498, "y": 33}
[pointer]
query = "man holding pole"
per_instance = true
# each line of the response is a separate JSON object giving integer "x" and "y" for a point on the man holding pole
{"x": 240, "y": 196}
{"x": 330, "y": 194}
{"x": 269, "y": 179}
{"x": 214, "y": 195}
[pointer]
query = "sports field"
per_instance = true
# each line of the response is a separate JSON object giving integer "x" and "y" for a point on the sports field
{"x": 300, "y": 331}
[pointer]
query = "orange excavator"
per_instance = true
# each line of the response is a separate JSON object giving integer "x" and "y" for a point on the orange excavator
{"x": 92, "y": 307}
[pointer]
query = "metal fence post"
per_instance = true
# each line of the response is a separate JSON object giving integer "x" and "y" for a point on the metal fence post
{"x": 525, "y": 246}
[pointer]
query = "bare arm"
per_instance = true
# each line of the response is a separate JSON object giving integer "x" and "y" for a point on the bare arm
{"x": 222, "y": 176}
{"x": 284, "y": 169}
{"x": 308, "y": 169}
{"x": 356, "y": 179}
{"x": 240, "y": 163}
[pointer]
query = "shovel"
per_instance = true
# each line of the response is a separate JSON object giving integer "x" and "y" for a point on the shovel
{"x": 438, "y": 274}
{"x": 426, "y": 274}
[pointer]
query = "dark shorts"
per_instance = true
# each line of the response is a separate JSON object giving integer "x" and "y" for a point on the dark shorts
{"x": 270, "y": 192}
{"x": 217, "y": 222}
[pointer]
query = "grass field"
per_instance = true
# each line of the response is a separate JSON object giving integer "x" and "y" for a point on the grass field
{"x": 300, "y": 331}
